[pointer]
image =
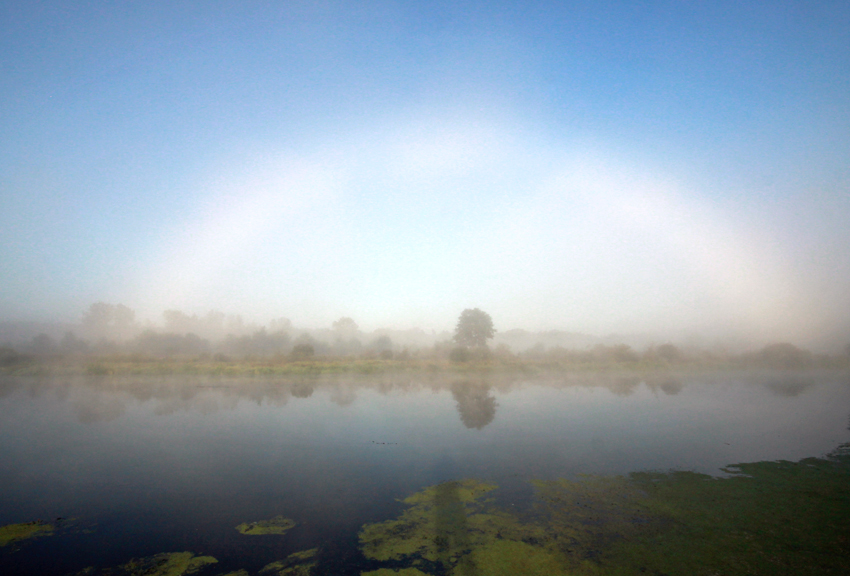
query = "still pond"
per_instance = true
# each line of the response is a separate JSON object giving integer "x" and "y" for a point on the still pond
{"x": 398, "y": 474}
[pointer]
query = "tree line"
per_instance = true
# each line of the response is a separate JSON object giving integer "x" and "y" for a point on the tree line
{"x": 113, "y": 329}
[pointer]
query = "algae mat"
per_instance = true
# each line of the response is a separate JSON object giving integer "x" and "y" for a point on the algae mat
{"x": 276, "y": 525}
{"x": 14, "y": 534}
{"x": 169, "y": 564}
{"x": 765, "y": 518}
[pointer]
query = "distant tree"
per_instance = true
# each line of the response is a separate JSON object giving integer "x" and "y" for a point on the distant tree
{"x": 43, "y": 345}
{"x": 474, "y": 328}
{"x": 71, "y": 344}
{"x": 99, "y": 316}
{"x": 346, "y": 327}
{"x": 280, "y": 325}
{"x": 382, "y": 343}
{"x": 668, "y": 352}
{"x": 784, "y": 355}
{"x": 104, "y": 320}
{"x": 123, "y": 316}
{"x": 10, "y": 357}
{"x": 170, "y": 344}
{"x": 178, "y": 322}
{"x": 301, "y": 351}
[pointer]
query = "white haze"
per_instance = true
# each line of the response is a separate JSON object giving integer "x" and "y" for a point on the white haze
{"x": 407, "y": 225}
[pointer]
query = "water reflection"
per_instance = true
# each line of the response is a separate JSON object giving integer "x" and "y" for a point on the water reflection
{"x": 144, "y": 458}
{"x": 107, "y": 398}
{"x": 475, "y": 404}
{"x": 668, "y": 385}
{"x": 625, "y": 386}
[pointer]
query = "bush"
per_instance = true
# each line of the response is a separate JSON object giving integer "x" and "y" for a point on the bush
{"x": 459, "y": 354}
{"x": 301, "y": 351}
{"x": 784, "y": 356}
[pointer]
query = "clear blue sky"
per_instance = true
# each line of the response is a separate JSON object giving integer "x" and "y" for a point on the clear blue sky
{"x": 590, "y": 166}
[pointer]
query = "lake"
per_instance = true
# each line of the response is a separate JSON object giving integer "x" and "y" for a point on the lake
{"x": 136, "y": 467}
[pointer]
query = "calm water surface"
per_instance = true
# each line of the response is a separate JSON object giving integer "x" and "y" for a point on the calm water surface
{"x": 150, "y": 465}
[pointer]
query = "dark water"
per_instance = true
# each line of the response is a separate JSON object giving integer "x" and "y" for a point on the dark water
{"x": 151, "y": 465}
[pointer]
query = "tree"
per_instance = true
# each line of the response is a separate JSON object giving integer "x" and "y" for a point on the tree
{"x": 474, "y": 328}
{"x": 346, "y": 326}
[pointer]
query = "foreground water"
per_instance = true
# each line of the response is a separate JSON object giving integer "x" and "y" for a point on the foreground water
{"x": 250, "y": 472}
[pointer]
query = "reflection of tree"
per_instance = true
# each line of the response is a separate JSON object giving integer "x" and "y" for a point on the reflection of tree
{"x": 668, "y": 385}
{"x": 624, "y": 386}
{"x": 343, "y": 395}
{"x": 671, "y": 386}
{"x": 788, "y": 388}
{"x": 302, "y": 389}
{"x": 99, "y": 408}
{"x": 476, "y": 406}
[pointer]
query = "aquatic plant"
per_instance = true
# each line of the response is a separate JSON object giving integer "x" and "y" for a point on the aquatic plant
{"x": 764, "y": 518}
{"x": 276, "y": 525}
{"x": 453, "y": 528}
{"x": 167, "y": 564}
{"x": 13, "y": 534}
{"x": 389, "y": 572}
{"x": 296, "y": 564}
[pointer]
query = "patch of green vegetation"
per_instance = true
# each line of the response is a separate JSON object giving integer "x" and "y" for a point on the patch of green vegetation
{"x": 402, "y": 572}
{"x": 296, "y": 564}
{"x": 509, "y": 558}
{"x": 591, "y": 513}
{"x": 236, "y": 573}
{"x": 769, "y": 518}
{"x": 169, "y": 564}
{"x": 444, "y": 525}
{"x": 276, "y": 525}
{"x": 12, "y": 534}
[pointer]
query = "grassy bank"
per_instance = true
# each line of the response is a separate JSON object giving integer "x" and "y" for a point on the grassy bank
{"x": 118, "y": 365}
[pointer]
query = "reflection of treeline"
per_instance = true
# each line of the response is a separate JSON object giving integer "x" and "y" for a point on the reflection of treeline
{"x": 475, "y": 395}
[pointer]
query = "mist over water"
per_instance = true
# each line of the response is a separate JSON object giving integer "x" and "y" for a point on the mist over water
{"x": 317, "y": 267}
{"x": 153, "y": 463}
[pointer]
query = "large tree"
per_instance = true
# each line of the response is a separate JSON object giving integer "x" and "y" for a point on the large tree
{"x": 474, "y": 328}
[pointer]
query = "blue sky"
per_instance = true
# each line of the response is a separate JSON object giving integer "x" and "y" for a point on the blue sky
{"x": 589, "y": 166}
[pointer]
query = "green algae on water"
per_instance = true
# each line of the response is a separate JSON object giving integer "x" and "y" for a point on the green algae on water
{"x": 167, "y": 564}
{"x": 510, "y": 557}
{"x": 766, "y": 518}
{"x": 771, "y": 518}
{"x": 388, "y": 572}
{"x": 296, "y": 564}
{"x": 452, "y": 528}
{"x": 12, "y": 534}
{"x": 170, "y": 564}
{"x": 276, "y": 525}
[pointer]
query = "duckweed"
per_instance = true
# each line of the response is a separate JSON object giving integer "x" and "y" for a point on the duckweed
{"x": 169, "y": 564}
{"x": 444, "y": 526}
{"x": 296, "y": 564}
{"x": 276, "y": 525}
{"x": 402, "y": 572}
{"x": 12, "y": 534}
{"x": 764, "y": 518}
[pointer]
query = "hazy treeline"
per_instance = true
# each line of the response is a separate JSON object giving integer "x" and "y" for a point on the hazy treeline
{"x": 107, "y": 329}
{"x": 113, "y": 329}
